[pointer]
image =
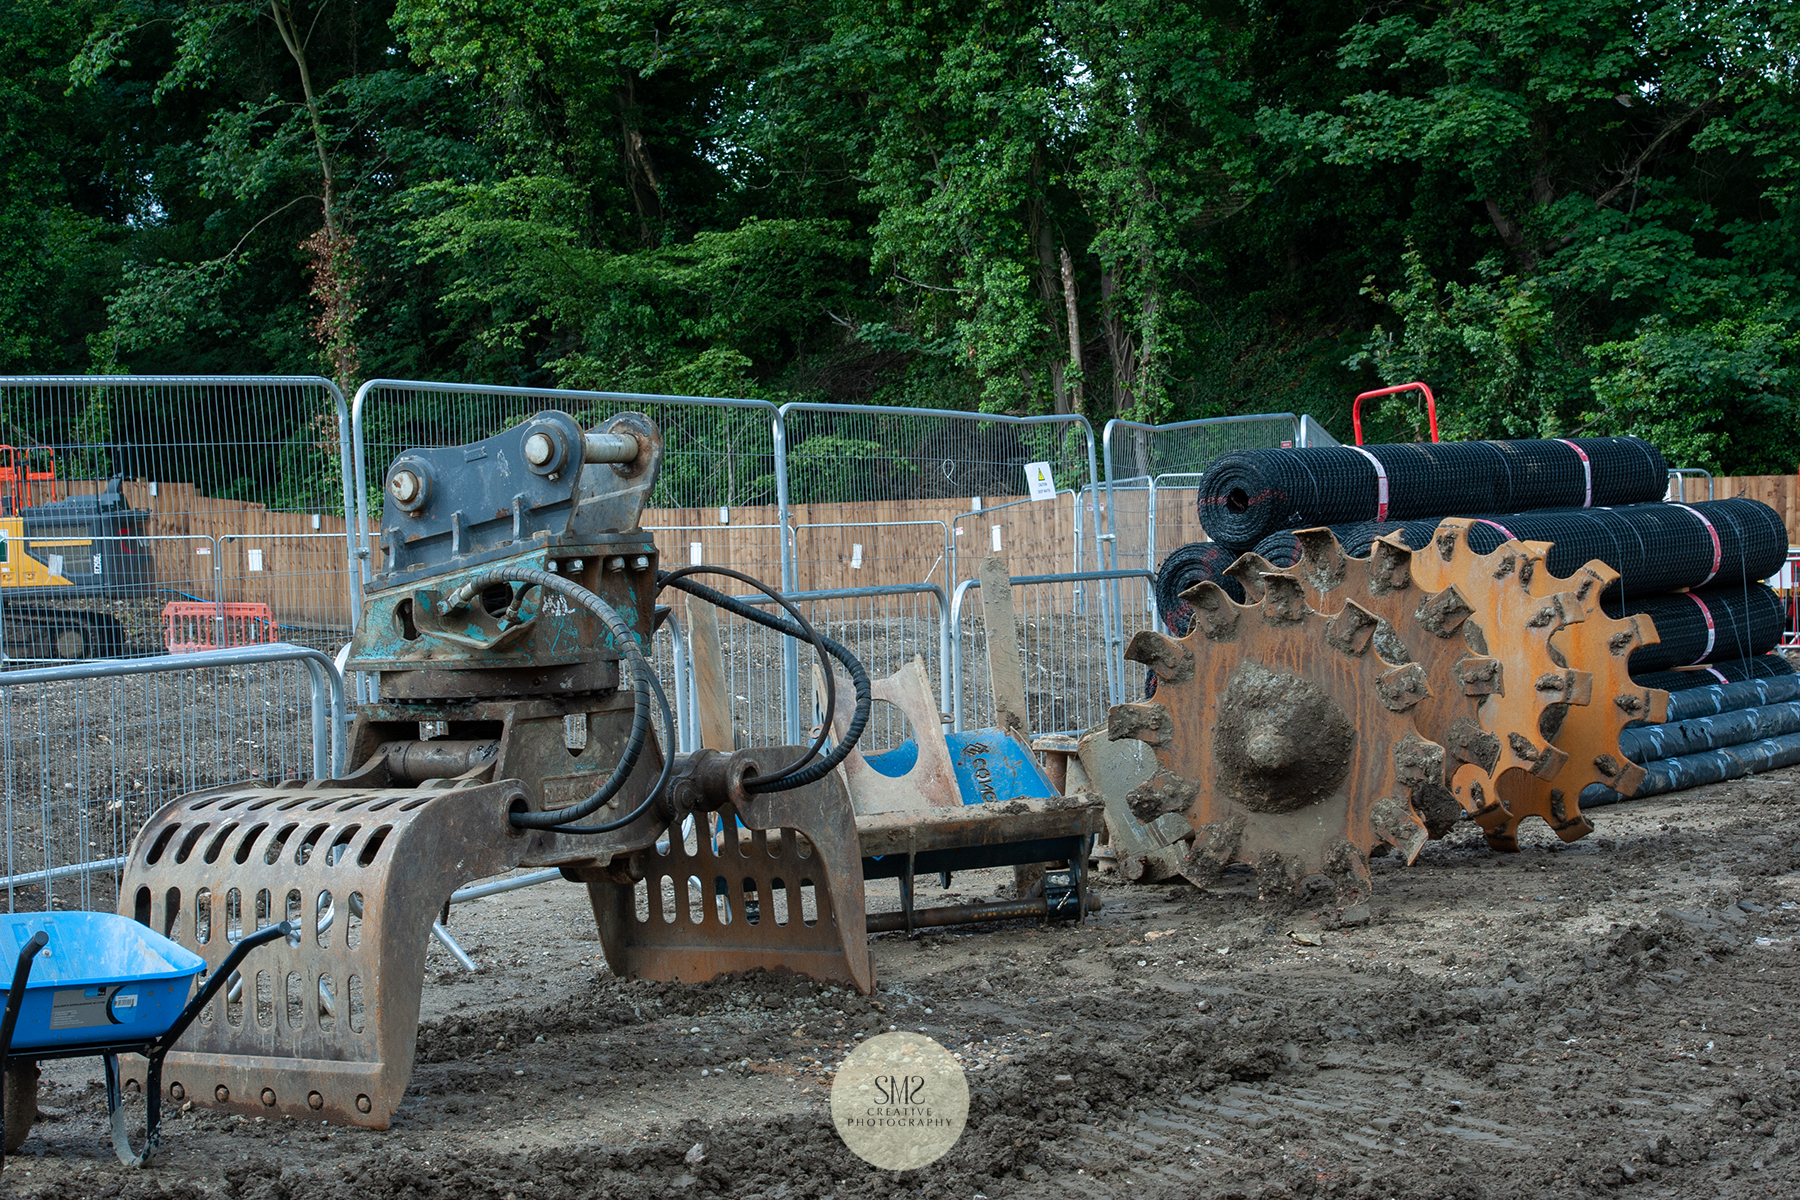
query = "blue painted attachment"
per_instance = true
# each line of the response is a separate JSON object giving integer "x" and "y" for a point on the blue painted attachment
{"x": 101, "y": 977}
{"x": 990, "y": 767}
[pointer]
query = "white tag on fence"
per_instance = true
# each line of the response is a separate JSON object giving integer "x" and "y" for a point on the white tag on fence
{"x": 253, "y": 558}
{"x": 694, "y": 553}
{"x": 153, "y": 487}
{"x": 55, "y": 562}
{"x": 1039, "y": 480}
{"x": 724, "y": 515}
{"x": 856, "y": 556}
{"x": 995, "y": 529}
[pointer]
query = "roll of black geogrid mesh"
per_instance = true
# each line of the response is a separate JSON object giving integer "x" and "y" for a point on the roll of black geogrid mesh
{"x": 1654, "y": 547}
{"x": 1192, "y": 564}
{"x": 1737, "y": 670}
{"x": 1244, "y": 497}
{"x": 1706, "y": 625}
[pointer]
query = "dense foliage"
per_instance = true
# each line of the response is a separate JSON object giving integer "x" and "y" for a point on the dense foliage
{"x": 1567, "y": 215}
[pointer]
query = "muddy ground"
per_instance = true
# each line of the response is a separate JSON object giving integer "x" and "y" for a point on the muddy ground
{"x": 1610, "y": 1017}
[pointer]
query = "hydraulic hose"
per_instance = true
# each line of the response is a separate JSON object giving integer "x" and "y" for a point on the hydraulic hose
{"x": 799, "y": 774}
{"x": 645, "y": 685}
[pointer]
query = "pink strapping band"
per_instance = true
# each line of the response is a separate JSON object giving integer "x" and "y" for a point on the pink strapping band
{"x": 1497, "y": 525}
{"x": 1587, "y": 471}
{"x": 1381, "y": 483}
{"x": 1710, "y": 631}
{"x": 1718, "y": 552}
{"x": 1719, "y": 675}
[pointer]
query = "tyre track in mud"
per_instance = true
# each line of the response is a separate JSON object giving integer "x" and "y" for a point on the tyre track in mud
{"x": 1611, "y": 1017}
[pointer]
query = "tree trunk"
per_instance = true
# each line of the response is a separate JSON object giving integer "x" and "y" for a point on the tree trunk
{"x": 334, "y": 268}
{"x": 640, "y": 173}
{"x": 1045, "y": 277}
{"x": 1078, "y": 402}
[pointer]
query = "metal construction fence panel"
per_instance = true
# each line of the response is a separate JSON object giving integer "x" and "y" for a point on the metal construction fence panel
{"x": 89, "y": 750}
{"x": 1067, "y": 657}
{"x": 887, "y": 460}
{"x": 884, "y": 627}
{"x": 115, "y": 493}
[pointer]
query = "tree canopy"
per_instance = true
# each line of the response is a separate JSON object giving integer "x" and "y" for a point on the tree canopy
{"x": 1566, "y": 215}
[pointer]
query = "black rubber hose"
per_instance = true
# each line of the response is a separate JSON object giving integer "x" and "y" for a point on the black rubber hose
{"x": 859, "y": 677}
{"x": 645, "y": 686}
{"x": 758, "y": 783}
{"x": 662, "y": 780}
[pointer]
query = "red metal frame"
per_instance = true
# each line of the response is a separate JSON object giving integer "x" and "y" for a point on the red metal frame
{"x": 1430, "y": 406}
{"x": 17, "y": 477}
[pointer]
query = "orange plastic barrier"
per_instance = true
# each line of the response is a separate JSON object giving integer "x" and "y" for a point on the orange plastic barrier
{"x": 190, "y": 625}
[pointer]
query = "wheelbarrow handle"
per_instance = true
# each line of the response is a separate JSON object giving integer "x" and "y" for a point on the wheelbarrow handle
{"x": 16, "y": 997}
{"x": 214, "y": 982}
{"x": 156, "y": 1050}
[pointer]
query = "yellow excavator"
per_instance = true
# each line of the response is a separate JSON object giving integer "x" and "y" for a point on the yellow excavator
{"x": 57, "y": 550}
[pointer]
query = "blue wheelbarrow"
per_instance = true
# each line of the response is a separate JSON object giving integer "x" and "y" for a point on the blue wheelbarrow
{"x": 104, "y": 985}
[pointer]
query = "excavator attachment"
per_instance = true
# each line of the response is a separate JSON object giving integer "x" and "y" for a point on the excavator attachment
{"x": 517, "y": 722}
{"x": 774, "y": 883}
{"x": 325, "y": 1027}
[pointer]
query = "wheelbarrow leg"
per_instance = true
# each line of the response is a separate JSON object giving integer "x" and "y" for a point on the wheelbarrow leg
{"x": 115, "y": 1110}
{"x": 154, "y": 1052}
{"x": 14, "y": 998}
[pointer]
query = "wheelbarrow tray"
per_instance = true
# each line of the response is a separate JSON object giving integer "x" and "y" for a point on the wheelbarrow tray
{"x": 102, "y": 979}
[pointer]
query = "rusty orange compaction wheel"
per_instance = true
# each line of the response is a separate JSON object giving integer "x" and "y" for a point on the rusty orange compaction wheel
{"x": 1588, "y": 734}
{"x": 1282, "y": 737}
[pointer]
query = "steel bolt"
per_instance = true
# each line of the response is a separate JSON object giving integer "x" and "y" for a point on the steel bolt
{"x": 268, "y": 1097}
{"x": 222, "y": 1094}
{"x": 576, "y": 565}
{"x": 315, "y": 1101}
{"x": 404, "y": 486}
{"x": 615, "y": 564}
{"x": 177, "y": 1092}
{"x": 362, "y": 1104}
{"x": 641, "y": 562}
{"x": 550, "y": 566}
{"x": 539, "y": 449}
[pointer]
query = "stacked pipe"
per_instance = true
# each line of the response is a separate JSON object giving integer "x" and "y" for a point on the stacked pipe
{"x": 1713, "y": 733}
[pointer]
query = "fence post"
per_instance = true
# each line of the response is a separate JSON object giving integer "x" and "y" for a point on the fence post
{"x": 790, "y": 652}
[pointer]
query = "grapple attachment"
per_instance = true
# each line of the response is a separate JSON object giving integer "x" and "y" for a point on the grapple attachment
{"x": 325, "y": 1027}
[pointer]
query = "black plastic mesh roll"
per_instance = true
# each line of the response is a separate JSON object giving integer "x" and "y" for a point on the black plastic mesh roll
{"x": 1246, "y": 496}
{"x": 1193, "y": 563}
{"x": 1279, "y": 549}
{"x": 1737, "y": 670}
{"x": 1707, "y": 625}
{"x": 1654, "y": 547}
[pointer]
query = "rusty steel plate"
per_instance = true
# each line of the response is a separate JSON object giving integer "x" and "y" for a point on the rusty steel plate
{"x": 1534, "y": 685}
{"x": 1589, "y": 734}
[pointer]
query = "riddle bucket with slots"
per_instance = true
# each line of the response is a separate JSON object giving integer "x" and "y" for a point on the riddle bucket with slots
{"x": 324, "y": 1028}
